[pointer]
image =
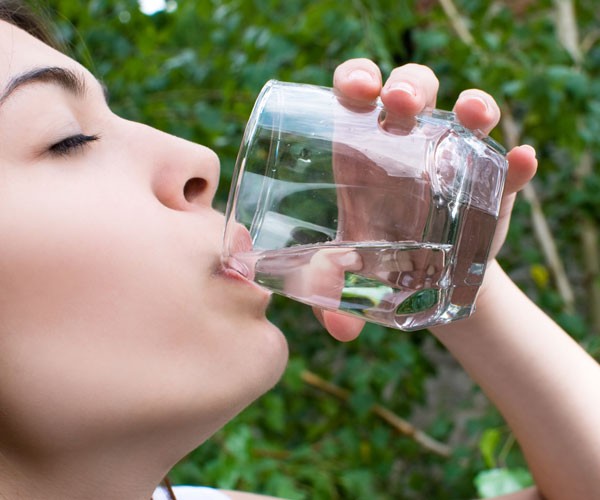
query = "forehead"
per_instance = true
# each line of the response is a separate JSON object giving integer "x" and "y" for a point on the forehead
{"x": 19, "y": 51}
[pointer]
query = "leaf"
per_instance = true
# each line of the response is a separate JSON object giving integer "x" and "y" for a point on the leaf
{"x": 487, "y": 445}
{"x": 496, "y": 482}
{"x": 238, "y": 443}
{"x": 361, "y": 403}
{"x": 540, "y": 275}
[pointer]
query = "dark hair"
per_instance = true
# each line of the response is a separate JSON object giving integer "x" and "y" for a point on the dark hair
{"x": 19, "y": 13}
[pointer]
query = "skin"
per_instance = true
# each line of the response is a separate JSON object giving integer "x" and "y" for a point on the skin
{"x": 124, "y": 345}
{"x": 409, "y": 90}
{"x": 121, "y": 341}
{"x": 541, "y": 380}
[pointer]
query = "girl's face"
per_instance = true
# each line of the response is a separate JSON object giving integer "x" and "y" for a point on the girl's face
{"x": 114, "y": 314}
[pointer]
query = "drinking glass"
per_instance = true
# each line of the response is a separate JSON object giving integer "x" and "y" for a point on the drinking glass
{"x": 342, "y": 206}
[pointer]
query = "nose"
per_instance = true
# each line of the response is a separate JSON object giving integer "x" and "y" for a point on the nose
{"x": 185, "y": 175}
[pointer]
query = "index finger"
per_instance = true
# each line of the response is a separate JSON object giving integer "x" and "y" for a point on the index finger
{"x": 341, "y": 327}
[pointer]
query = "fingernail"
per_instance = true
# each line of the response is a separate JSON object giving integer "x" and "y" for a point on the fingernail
{"x": 530, "y": 148}
{"x": 347, "y": 259}
{"x": 403, "y": 87}
{"x": 476, "y": 98}
{"x": 360, "y": 75}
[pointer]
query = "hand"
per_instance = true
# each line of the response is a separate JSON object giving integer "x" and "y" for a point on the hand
{"x": 408, "y": 91}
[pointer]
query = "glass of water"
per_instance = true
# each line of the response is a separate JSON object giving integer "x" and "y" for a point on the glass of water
{"x": 343, "y": 207}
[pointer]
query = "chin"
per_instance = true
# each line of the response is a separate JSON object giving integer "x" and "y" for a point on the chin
{"x": 265, "y": 366}
{"x": 234, "y": 385}
{"x": 274, "y": 357}
{"x": 260, "y": 372}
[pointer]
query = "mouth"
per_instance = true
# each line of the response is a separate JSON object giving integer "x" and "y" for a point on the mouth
{"x": 238, "y": 259}
{"x": 231, "y": 265}
{"x": 237, "y": 271}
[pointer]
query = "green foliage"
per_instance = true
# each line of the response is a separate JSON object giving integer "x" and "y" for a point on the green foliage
{"x": 488, "y": 444}
{"x": 195, "y": 72}
{"x": 496, "y": 482}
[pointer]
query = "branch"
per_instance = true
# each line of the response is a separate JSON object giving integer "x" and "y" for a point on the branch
{"x": 541, "y": 229}
{"x": 567, "y": 32}
{"x": 512, "y": 138}
{"x": 566, "y": 28}
{"x": 398, "y": 423}
{"x": 589, "y": 40}
{"x": 589, "y": 247}
{"x": 458, "y": 22}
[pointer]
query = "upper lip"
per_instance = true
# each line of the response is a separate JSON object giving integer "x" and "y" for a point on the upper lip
{"x": 237, "y": 240}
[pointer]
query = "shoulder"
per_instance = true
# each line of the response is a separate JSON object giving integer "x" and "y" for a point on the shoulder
{"x": 191, "y": 493}
{"x": 203, "y": 493}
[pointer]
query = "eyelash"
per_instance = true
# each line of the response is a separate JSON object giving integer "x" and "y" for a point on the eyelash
{"x": 72, "y": 144}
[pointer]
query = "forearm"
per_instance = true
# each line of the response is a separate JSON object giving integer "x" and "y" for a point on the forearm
{"x": 544, "y": 384}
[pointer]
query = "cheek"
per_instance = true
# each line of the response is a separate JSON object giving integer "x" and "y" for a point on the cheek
{"x": 108, "y": 304}
{"x": 63, "y": 259}
{"x": 125, "y": 279}
{"x": 93, "y": 254}
{"x": 93, "y": 300}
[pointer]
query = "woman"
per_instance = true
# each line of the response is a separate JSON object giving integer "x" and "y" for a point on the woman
{"x": 124, "y": 344}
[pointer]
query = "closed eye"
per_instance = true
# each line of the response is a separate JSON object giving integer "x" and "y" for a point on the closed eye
{"x": 72, "y": 144}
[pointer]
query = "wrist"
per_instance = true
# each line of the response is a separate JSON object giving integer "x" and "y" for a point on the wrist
{"x": 494, "y": 279}
{"x": 494, "y": 282}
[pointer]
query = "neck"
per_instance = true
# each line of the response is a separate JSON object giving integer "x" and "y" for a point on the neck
{"x": 87, "y": 476}
{"x": 128, "y": 468}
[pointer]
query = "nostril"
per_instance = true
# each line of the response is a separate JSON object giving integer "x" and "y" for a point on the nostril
{"x": 194, "y": 188}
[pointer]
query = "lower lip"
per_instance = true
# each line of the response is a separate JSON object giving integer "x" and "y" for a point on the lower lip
{"x": 233, "y": 274}
{"x": 240, "y": 241}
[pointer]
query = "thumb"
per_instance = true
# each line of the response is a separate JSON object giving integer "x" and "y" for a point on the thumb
{"x": 340, "y": 327}
{"x": 522, "y": 165}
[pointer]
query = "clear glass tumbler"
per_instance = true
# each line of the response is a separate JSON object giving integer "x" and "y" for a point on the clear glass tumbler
{"x": 340, "y": 206}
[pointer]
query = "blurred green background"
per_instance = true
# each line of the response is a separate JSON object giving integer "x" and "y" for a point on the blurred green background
{"x": 194, "y": 67}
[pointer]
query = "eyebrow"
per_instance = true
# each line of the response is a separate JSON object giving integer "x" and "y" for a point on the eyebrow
{"x": 65, "y": 78}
